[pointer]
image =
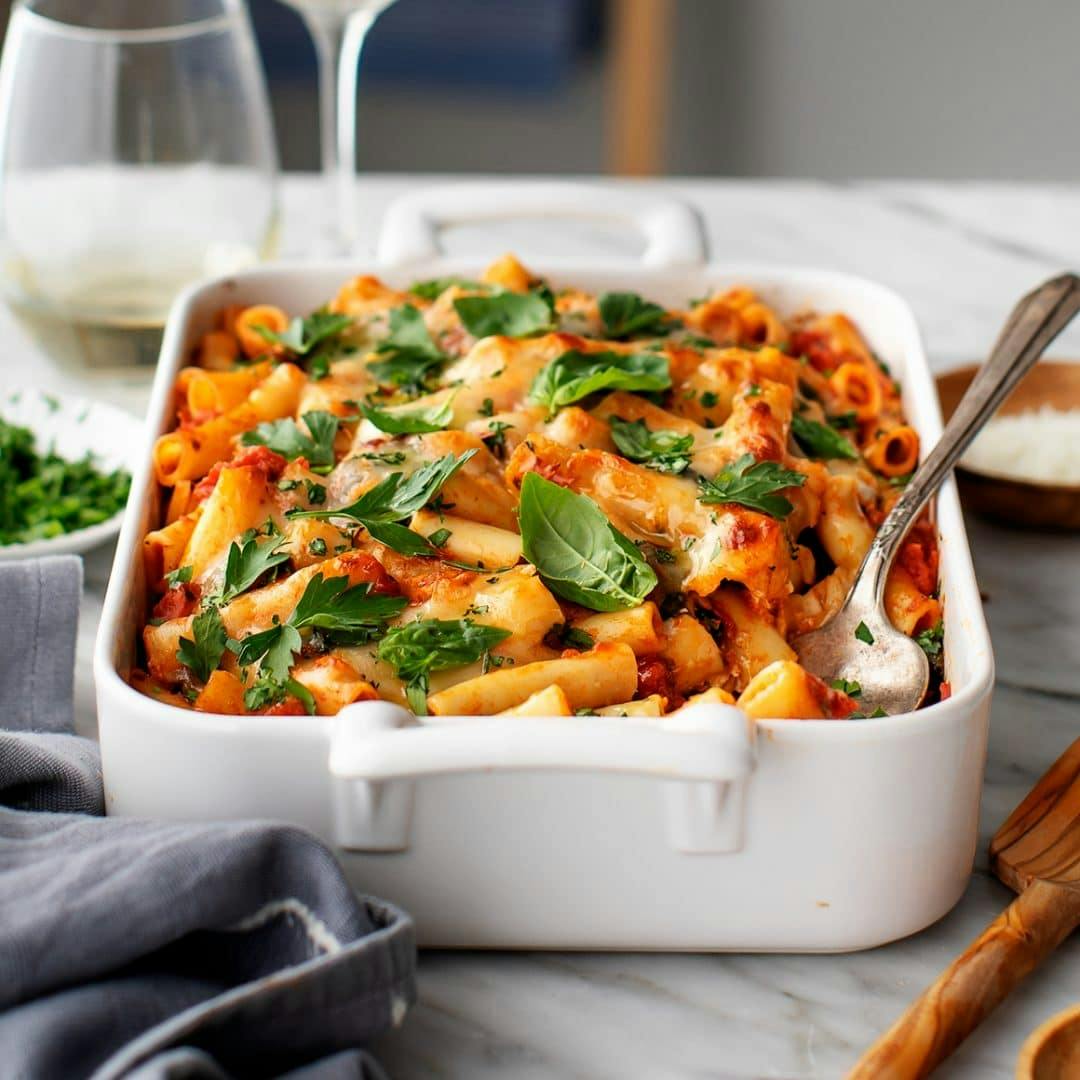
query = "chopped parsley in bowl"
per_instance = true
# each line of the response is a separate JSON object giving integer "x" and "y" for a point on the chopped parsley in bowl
{"x": 43, "y": 495}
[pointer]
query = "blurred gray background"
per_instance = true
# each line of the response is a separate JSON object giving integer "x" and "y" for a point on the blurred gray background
{"x": 805, "y": 88}
{"x": 786, "y": 88}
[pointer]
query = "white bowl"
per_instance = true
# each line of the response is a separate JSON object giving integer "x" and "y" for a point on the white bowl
{"x": 74, "y": 426}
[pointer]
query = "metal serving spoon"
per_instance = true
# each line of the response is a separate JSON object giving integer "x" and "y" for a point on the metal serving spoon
{"x": 858, "y": 643}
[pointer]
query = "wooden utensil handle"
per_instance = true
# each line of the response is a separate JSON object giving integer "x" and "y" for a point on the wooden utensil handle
{"x": 1008, "y": 950}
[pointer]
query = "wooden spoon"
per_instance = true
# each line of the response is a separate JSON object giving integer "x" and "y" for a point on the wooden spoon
{"x": 1052, "y": 1050}
{"x": 1037, "y": 853}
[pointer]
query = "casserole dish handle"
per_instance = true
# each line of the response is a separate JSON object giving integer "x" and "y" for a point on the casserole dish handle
{"x": 702, "y": 756}
{"x": 672, "y": 231}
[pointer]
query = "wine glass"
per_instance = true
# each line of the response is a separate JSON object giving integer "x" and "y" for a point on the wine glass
{"x": 136, "y": 155}
{"x": 339, "y": 28}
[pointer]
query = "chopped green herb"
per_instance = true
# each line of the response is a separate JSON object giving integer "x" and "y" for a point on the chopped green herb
{"x": 819, "y": 441}
{"x": 496, "y": 441}
{"x": 708, "y": 399}
{"x": 317, "y": 546}
{"x": 664, "y": 451}
{"x": 316, "y": 493}
{"x": 408, "y": 356}
{"x": 753, "y": 390}
{"x": 312, "y": 339}
{"x": 862, "y": 632}
{"x": 180, "y": 576}
{"x": 852, "y": 689}
{"x": 752, "y": 484}
{"x": 247, "y": 561}
{"x": 286, "y": 438}
{"x": 418, "y": 648}
{"x": 44, "y": 495}
{"x": 201, "y": 654}
{"x": 439, "y": 537}
{"x": 931, "y": 641}
{"x": 565, "y": 636}
{"x": 411, "y": 421}
{"x": 488, "y": 407}
{"x": 380, "y": 509}
{"x": 433, "y": 288}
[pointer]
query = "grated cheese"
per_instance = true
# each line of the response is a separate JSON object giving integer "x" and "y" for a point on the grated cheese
{"x": 1041, "y": 446}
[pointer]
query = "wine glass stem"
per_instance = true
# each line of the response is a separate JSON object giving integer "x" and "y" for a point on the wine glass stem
{"x": 339, "y": 41}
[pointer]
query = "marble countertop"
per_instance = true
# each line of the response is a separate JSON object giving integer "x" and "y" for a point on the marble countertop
{"x": 961, "y": 254}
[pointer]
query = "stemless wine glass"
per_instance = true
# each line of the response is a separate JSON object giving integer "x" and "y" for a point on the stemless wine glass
{"x": 136, "y": 155}
{"x": 339, "y": 28}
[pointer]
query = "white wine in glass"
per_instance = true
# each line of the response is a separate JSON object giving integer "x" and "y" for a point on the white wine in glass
{"x": 339, "y": 28}
{"x": 155, "y": 167}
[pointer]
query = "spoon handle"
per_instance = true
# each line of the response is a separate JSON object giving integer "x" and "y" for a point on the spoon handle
{"x": 1035, "y": 321}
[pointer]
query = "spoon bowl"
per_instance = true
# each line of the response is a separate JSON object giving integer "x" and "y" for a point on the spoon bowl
{"x": 859, "y": 644}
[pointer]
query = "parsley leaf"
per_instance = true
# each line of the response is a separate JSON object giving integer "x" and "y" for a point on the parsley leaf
{"x": 753, "y": 485}
{"x": 411, "y": 421}
{"x": 419, "y": 648}
{"x": 383, "y": 506}
{"x": 286, "y": 438}
{"x": 247, "y": 561}
{"x": 820, "y": 441}
{"x": 852, "y": 689}
{"x": 664, "y": 451}
{"x": 180, "y": 576}
{"x": 862, "y": 633}
{"x": 201, "y": 654}
{"x": 349, "y": 615}
{"x": 433, "y": 288}
{"x": 407, "y": 355}
{"x": 931, "y": 640}
{"x": 45, "y": 495}
{"x": 579, "y": 554}
{"x": 510, "y": 314}
{"x": 626, "y": 314}
{"x": 311, "y": 339}
{"x": 575, "y": 375}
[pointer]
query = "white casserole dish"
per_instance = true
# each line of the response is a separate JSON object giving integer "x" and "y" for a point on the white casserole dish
{"x": 697, "y": 833}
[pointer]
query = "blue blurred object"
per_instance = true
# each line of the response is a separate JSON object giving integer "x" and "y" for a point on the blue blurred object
{"x": 528, "y": 47}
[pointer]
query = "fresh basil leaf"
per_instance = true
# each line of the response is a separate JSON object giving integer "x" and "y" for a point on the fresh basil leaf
{"x": 412, "y": 421}
{"x": 820, "y": 441}
{"x": 286, "y": 438}
{"x": 201, "y": 653}
{"x": 507, "y": 313}
{"x": 247, "y": 561}
{"x": 752, "y": 484}
{"x": 626, "y": 314}
{"x": 419, "y": 648}
{"x": 664, "y": 451}
{"x": 576, "y": 375}
{"x": 400, "y": 538}
{"x": 579, "y": 554}
{"x": 407, "y": 355}
{"x": 433, "y": 288}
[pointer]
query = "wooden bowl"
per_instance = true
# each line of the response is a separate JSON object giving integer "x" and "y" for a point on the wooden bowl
{"x": 1022, "y": 503}
{"x": 1052, "y": 1050}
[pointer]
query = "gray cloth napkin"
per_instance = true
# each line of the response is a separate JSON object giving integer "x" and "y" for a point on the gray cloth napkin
{"x": 154, "y": 950}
